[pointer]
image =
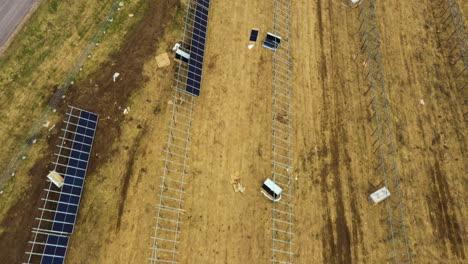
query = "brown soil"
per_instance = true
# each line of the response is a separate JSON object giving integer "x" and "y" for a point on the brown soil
{"x": 231, "y": 138}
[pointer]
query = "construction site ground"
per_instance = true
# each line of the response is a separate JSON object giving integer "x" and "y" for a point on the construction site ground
{"x": 333, "y": 148}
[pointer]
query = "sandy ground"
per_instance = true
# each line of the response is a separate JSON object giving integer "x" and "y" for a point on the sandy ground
{"x": 231, "y": 137}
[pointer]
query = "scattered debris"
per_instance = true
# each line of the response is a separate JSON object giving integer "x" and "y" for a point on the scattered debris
{"x": 421, "y": 101}
{"x": 237, "y": 185}
{"x": 163, "y": 60}
{"x": 126, "y": 110}
{"x": 130, "y": 15}
{"x": 111, "y": 19}
{"x": 52, "y": 127}
{"x": 251, "y": 46}
{"x": 116, "y": 75}
{"x": 170, "y": 102}
{"x": 121, "y": 4}
{"x": 352, "y": 3}
{"x": 46, "y": 124}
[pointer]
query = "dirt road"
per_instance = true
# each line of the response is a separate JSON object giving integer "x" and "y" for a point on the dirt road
{"x": 12, "y": 13}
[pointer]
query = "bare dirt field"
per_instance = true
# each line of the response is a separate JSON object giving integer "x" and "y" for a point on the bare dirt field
{"x": 334, "y": 223}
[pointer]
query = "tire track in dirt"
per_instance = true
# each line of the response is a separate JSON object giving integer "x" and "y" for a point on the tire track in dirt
{"x": 339, "y": 250}
{"x": 129, "y": 172}
{"x": 440, "y": 202}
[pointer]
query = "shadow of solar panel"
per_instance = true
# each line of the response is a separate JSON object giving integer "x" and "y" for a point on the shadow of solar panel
{"x": 55, "y": 249}
{"x": 74, "y": 175}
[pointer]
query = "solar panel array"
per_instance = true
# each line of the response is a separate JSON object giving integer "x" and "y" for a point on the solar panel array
{"x": 55, "y": 249}
{"x": 59, "y": 213}
{"x": 197, "y": 47}
{"x": 74, "y": 176}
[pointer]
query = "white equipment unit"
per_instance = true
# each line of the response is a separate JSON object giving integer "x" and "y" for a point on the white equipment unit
{"x": 379, "y": 196}
{"x": 271, "y": 41}
{"x": 56, "y": 178}
{"x": 182, "y": 56}
{"x": 271, "y": 190}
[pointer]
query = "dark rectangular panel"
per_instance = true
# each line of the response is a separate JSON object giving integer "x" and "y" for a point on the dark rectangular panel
{"x": 197, "y": 49}
{"x": 254, "y": 35}
{"x": 55, "y": 249}
{"x": 204, "y": 3}
{"x": 75, "y": 173}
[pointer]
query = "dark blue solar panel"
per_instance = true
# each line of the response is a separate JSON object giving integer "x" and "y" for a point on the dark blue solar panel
{"x": 74, "y": 175}
{"x": 204, "y": 3}
{"x": 55, "y": 249}
{"x": 197, "y": 48}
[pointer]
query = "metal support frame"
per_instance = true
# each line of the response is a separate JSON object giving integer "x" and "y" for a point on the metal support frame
{"x": 384, "y": 144}
{"x": 35, "y": 130}
{"x": 52, "y": 196}
{"x": 282, "y": 211}
{"x": 451, "y": 22}
{"x": 167, "y": 230}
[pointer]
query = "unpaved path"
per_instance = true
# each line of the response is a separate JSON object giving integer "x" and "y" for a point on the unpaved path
{"x": 12, "y": 13}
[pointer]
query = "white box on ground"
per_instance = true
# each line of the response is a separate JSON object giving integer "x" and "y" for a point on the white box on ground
{"x": 379, "y": 196}
{"x": 271, "y": 190}
{"x": 56, "y": 178}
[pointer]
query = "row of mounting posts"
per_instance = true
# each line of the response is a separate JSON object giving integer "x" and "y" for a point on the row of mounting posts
{"x": 384, "y": 148}
{"x": 454, "y": 41}
{"x": 282, "y": 169}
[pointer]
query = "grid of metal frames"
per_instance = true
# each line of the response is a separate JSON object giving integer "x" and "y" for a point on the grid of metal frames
{"x": 454, "y": 39}
{"x": 282, "y": 211}
{"x": 167, "y": 230}
{"x": 49, "y": 249}
{"x": 60, "y": 205}
{"x": 384, "y": 143}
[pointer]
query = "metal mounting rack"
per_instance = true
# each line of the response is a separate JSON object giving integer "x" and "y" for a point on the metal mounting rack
{"x": 384, "y": 144}
{"x": 282, "y": 211}
{"x": 170, "y": 207}
{"x": 451, "y": 22}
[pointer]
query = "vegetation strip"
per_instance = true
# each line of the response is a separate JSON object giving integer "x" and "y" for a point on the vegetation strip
{"x": 34, "y": 132}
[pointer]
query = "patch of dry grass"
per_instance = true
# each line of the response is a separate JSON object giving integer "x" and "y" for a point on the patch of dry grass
{"x": 38, "y": 60}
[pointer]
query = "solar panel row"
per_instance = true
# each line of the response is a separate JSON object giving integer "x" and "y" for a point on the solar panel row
{"x": 197, "y": 48}
{"x": 67, "y": 208}
{"x": 204, "y": 3}
{"x": 55, "y": 249}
